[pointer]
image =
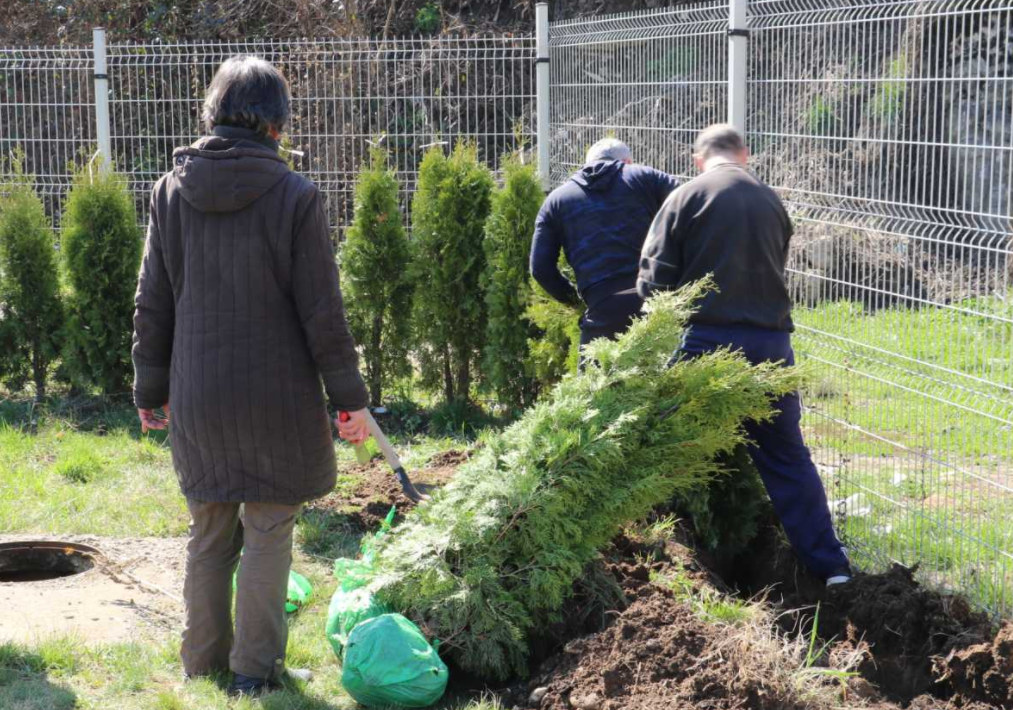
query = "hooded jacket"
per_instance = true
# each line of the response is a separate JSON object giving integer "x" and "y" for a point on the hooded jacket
{"x": 599, "y": 218}
{"x": 238, "y": 319}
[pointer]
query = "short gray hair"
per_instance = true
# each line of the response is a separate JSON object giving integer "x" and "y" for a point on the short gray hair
{"x": 719, "y": 139}
{"x": 247, "y": 92}
{"x": 608, "y": 149}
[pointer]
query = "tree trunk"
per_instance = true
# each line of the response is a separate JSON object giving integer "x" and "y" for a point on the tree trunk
{"x": 463, "y": 376}
{"x": 448, "y": 376}
{"x": 376, "y": 370}
{"x": 39, "y": 373}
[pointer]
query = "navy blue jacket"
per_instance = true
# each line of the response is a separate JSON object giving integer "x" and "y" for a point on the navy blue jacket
{"x": 599, "y": 218}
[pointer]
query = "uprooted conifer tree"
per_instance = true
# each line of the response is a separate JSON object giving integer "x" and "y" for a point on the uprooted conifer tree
{"x": 31, "y": 312}
{"x": 494, "y": 556}
{"x": 508, "y": 233}
{"x": 448, "y": 310}
{"x": 374, "y": 278}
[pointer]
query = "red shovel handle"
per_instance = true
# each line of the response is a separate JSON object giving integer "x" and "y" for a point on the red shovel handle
{"x": 344, "y": 416}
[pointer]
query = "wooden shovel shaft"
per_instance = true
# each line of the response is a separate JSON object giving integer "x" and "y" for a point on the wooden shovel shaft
{"x": 388, "y": 451}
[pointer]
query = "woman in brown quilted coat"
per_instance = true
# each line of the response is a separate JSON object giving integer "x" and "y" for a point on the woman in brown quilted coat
{"x": 238, "y": 321}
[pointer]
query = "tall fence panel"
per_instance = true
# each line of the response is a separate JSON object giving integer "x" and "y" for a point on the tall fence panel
{"x": 652, "y": 79}
{"x": 886, "y": 128}
{"x": 407, "y": 94}
{"x": 47, "y": 112}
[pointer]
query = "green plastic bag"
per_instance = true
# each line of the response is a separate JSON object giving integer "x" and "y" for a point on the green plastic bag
{"x": 389, "y": 662}
{"x": 353, "y": 574}
{"x": 347, "y": 609}
{"x": 299, "y": 590}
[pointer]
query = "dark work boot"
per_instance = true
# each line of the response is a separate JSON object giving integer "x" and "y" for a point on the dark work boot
{"x": 245, "y": 685}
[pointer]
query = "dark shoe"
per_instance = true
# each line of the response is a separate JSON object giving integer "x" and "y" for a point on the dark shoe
{"x": 839, "y": 576}
{"x": 246, "y": 686}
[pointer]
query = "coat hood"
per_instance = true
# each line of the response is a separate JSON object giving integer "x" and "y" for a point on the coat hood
{"x": 598, "y": 176}
{"x": 227, "y": 171}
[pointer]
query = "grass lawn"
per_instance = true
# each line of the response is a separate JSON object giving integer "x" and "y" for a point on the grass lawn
{"x": 910, "y": 416}
{"x": 87, "y": 470}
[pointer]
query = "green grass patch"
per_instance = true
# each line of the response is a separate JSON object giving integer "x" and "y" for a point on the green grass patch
{"x": 708, "y": 603}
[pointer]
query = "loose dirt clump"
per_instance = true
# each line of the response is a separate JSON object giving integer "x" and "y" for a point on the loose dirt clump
{"x": 904, "y": 627}
{"x": 377, "y": 490}
{"x": 980, "y": 673}
{"x": 657, "y": 654}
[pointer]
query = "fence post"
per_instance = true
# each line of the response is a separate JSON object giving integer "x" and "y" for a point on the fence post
{"x": 542, "y": 92}
{"x": 102, "y": 98}
{"x": 738, "y": 38}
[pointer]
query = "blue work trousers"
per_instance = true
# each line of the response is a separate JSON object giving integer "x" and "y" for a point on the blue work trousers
{"x": 777, "y": 449}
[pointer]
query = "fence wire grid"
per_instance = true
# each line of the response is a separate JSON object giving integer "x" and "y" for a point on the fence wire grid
{"x": 405, "y": 94}
{"x": 887, "y": 130}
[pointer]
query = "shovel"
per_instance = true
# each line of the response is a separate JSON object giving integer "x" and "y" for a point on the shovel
{"x": 362, "y": 456}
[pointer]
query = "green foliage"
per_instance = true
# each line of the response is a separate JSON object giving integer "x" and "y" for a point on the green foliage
{"x": 102, "y": 254}
{"x": 507, "y": 287}
{"x": 726, "y": 513}
{"x": 555, "y": 349}
{"x": 889, "y": 96}
{"x": 673, "y": 63}
{"x": 31, "y": 313}
{"x": 374, "y": 276}
{"x": 448, "y": 311}
{"x": 495, "y": 555}
{"x": 822, "y": 119}
{"x": 427, "y": 19}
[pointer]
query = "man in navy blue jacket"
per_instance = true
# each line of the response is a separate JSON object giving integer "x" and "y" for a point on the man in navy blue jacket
{"x": 599, "y": 218}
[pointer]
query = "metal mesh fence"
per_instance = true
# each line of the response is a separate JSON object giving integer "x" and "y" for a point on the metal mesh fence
{"x": 652, "y": 79}
{"x": 407, "y": 93}
{"x": 47, "y": 112}
{"x": 886, "y": 128}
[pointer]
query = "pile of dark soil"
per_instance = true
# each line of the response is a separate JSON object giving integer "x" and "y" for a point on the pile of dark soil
{"x": 917, "y": 649}
{"x": 649, "y": 649}
{"x": 905, "y": 628}
{"x": 378, "y": 490}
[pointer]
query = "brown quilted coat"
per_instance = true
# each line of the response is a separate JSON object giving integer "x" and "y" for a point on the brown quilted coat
{"x": 238, "y": 319}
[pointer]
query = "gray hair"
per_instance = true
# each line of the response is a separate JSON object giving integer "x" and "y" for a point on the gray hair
{"x": 247, "y": 92}
{"x": 608, "y": 149}
{"x": 719, "y": 139}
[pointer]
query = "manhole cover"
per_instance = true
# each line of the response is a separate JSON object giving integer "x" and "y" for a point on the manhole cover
{"x": 39, "y": 560}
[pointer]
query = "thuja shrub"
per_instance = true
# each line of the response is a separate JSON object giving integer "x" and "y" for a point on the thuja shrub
{"x": 31, "y": 313}
{"x": 495, "y": 555}
{"x": 508, "y": 231}
{"x": 726, "y": 514}
{"x": 101, "y": 246}
{"x": 449, "y": 210}
{"x": 554, "y": 350}
{"x": 374, "y": 276}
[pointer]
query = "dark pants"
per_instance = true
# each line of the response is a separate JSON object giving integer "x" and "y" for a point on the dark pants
{"x": 780, "y": 454}
{"x": 609, "y": 318}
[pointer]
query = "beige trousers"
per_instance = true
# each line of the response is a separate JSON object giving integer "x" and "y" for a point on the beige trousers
{"x": 217, "y": 534}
